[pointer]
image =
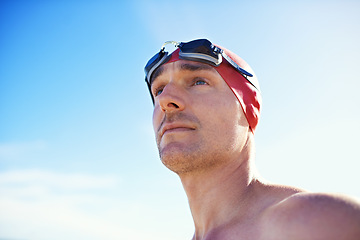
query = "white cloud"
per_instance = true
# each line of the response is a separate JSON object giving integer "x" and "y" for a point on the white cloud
{"x": 57, "y": 180}
{"x": 54, "y": 220}
{"x": 16, "y": 149}
{"x": 40, "y": 204}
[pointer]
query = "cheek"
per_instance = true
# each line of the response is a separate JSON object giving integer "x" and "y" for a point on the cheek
{"x": 227, "y": 116}
{"x": 219, "y": 116}
{"x": 157, "y": 116}
{"x": 235, "y": 112}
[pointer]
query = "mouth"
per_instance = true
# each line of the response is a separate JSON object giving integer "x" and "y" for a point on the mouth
{"x": 179, "y": 129}
{"x": 174, "y": 128}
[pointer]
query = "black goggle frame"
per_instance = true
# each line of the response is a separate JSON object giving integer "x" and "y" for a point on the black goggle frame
{"x": 200, "y": 50}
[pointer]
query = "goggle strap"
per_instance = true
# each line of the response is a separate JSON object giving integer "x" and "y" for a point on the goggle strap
{"x": 161, "y": 61}
{"x": 149, "y": 87}
{"x": 169, "y": 42}
{"x": 242, "y": 71}
{"x": 234, "y": 64}
{"x": 237, "y": 67}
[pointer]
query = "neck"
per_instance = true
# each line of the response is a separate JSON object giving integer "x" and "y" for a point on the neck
{"x": 222, "y": 194}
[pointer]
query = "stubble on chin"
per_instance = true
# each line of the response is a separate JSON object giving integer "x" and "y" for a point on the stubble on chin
{"x": 176, "y": 158}
{"x": 191, "y": 160}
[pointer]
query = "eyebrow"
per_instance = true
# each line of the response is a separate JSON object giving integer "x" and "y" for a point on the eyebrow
{"x": 183, "y": 67}
{"x": 195, "y": 67}
{"x": 156, "y": 73}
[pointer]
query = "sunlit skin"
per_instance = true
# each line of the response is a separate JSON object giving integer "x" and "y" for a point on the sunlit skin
{"x": 203, "y": 115}
{"x": 203, "y": 135}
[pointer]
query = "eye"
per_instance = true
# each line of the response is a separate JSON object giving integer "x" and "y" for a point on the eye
{"x": 200, "y": 82}
{"x": 157, "y": 91}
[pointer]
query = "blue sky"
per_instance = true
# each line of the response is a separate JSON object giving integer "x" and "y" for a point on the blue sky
{"x": 78, "y": 158}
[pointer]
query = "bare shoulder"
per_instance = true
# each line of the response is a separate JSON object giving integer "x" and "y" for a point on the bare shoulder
{"x": 313, "y": 216}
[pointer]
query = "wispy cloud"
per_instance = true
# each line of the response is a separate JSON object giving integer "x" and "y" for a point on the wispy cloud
{"x": 40, "y": 204}
{"x": 63, "y": 181}
{"x": 16, "y": 149}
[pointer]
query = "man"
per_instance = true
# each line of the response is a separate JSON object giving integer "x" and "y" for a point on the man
{"x": 206, "y": 109}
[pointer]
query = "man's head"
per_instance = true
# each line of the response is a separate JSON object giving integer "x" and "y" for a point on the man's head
{"x": 205, "y": 107}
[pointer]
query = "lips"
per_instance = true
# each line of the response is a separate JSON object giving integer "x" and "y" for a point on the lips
{"x": 174, "y": 127}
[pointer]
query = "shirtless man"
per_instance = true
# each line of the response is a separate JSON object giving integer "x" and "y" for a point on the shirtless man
{"x": 206, "y": 108}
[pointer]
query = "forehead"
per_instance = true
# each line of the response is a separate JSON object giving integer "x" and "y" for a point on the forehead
{"x": 183, "y": 66}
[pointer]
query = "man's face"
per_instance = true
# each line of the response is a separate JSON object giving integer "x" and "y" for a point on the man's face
{"x": 198, "y": 121}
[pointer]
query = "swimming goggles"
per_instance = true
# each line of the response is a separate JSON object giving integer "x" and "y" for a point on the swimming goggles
{"x": 200, "y": 50}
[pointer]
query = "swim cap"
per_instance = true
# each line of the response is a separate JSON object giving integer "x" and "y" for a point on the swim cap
{"x": 247, "y": 93}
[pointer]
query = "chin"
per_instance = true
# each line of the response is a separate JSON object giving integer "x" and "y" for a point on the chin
{"x": 181, "y": 160}
{"x": 177, "y": 159}
{"x": 172, "y": 159}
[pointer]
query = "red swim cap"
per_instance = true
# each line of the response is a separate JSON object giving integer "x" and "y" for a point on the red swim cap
{"x": 247, "y": 94}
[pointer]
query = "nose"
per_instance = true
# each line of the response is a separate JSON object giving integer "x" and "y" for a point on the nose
{"x": 171, "y": 98}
